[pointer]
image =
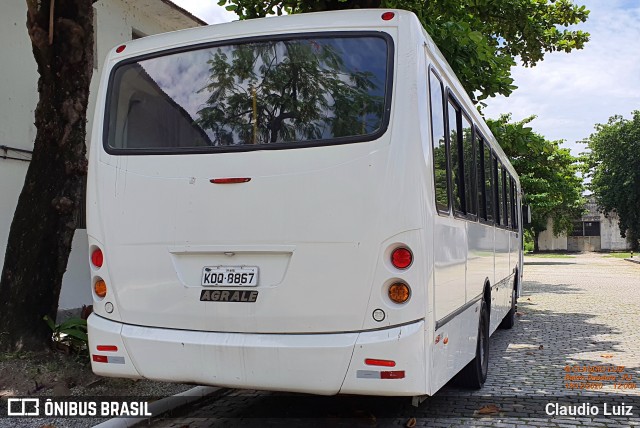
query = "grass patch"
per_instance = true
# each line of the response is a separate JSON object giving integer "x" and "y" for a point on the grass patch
{"x": 622, "y": 255}
{"x": 550, "y": 255}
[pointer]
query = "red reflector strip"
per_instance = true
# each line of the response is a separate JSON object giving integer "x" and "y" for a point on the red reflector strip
{"x": 384, "y": 363}
{"x": 398, "y": 374}
{"x": 107, "y": 348}
{"x": 230, "y": 180}
{"x": 100, "y": 358}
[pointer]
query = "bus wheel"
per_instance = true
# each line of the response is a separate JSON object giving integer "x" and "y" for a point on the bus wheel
{"x": 475, "y": 373}
{"x": 509, "y": 320}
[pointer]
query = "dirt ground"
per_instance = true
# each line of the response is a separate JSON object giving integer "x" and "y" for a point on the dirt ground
{"x": 53, "y": 373}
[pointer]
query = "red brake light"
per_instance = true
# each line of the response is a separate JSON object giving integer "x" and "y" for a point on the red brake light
{"x": 229, "y": 180}
{"x": 383, "y": 363}
{"x": 387, "y": 16}
{"x": 401, "y": 258}
{"x": 107, "y": 348}
{"x": 97, "y": 258}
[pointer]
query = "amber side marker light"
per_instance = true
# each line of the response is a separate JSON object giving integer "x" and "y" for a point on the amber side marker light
{"x": 100, "y": 288}
{"x": 399, "y": 292}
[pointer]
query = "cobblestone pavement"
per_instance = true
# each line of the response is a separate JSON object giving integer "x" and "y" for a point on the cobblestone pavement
{"x": 576, "y": 313}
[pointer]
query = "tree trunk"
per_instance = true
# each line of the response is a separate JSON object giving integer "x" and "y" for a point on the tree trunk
{"x": 45, "y": 218}
{"x": 536, "y": 244}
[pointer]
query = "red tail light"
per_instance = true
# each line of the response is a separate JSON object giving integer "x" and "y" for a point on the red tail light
{"x": 230, "y": 180}
{"x": 107, "y": 348}
{"x": 401, "y": 258}
{"x": 384, "y": 363}
{"x": 97, "y": 258}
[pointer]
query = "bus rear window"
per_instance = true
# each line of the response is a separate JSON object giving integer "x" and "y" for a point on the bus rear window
{"x": 292, "y": 92}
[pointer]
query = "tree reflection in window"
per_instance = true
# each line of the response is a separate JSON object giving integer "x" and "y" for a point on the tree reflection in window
{"x": 294, "y": 90}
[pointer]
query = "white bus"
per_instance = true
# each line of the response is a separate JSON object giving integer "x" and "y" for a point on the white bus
{"x": 306, "y": 203}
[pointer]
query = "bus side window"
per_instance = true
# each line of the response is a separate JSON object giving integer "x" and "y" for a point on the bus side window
{"x": 455, "y": 139}
{"x": 507, "y": 198}
{"x": 468, "y": 163}
{"x": 489, "y": 182}
{"x": 498, "y": 189}
{"x": 514, "y": 204}
{"x": 441, "y": 180}
{"x": 481, "y": 195}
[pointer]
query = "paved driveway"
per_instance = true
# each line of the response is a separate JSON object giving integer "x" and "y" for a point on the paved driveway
{"x": 575, "y": 346}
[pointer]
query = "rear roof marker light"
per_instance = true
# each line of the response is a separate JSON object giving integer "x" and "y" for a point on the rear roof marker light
{"x": 388, "y": 16}
{"x": 120, "y": 48}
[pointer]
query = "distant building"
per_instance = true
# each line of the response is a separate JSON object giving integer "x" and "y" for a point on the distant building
{"x": 115, "y": 22}
{"x": 592, "y": 232}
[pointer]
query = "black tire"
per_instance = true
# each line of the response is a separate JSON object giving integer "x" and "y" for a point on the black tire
{"x": 509, "y": 320}
{"x": 474, "y": 375}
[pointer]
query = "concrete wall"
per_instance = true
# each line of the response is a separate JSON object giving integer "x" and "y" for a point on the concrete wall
{"x": 609, "y": 239}
{"x": 115, "y": 21}
{"x": 610, "y": 233}
{"x": 548, "y": 242}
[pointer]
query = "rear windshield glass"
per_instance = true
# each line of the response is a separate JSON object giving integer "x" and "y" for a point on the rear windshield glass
{"x": 261, "y": 94}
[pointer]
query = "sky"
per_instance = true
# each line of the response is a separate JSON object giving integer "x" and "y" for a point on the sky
{"x": 569, "y": 93}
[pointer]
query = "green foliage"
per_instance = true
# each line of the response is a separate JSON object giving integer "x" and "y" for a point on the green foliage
{"x": 479, "y": 38}
{"x": 548, "y": 174}
{"x": 614, "y": 168}
{"x": 71, "y": 333}
{"x": 528, "y": 241}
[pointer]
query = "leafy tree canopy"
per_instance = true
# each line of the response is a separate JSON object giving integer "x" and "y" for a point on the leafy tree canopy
{"x": 614, "y": 168}
{"x": 547, "y": 174}
{"x": 480, "y": 39}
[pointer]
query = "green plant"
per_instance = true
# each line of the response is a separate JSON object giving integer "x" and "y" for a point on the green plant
{"x": 528, "y": 241}
{"x": 71, "y": 334}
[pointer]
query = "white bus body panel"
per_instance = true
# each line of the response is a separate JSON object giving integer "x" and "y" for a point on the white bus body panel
{"x": 314, "y": 363}
{"x": 319, "y": 223}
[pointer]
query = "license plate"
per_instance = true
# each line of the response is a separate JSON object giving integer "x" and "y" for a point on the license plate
{"x": 230, "y": 276}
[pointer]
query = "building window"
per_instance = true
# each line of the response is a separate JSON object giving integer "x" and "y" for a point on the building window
{"x": 591, "y": 228}
{"x": 586, "y": 228}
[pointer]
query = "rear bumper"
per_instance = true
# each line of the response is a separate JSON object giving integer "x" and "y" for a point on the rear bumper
{"x": 324, "y": 364}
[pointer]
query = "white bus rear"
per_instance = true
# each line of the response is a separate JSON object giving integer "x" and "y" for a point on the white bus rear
{"x": 262, "y": 210}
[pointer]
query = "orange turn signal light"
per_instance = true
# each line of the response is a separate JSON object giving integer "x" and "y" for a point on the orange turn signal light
{"x": 399, "y": 292}
{"x": 100, "y": 288}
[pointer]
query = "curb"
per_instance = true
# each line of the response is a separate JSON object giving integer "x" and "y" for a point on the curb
{"x": 633, "y": 260}
{"x": 164, "y": 405}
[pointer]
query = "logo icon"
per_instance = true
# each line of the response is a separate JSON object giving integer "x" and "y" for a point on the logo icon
{"x": 23, "y": 407}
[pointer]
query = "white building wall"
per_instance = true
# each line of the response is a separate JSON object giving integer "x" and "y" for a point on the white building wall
{"x": 115, "y": 20}
{"x": 548, "y": 242}
{"x": 610, "y": 234}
